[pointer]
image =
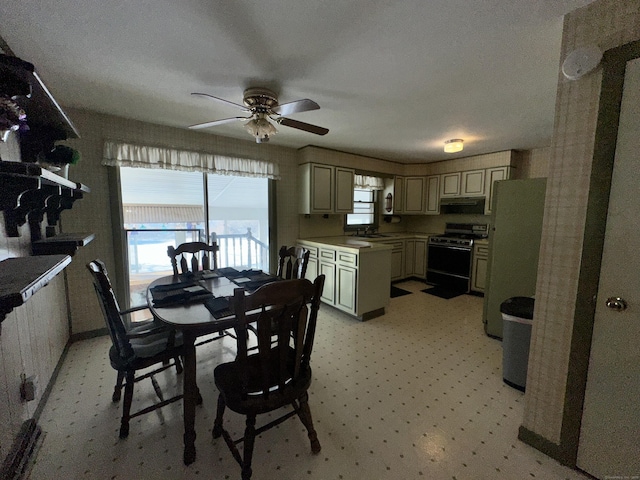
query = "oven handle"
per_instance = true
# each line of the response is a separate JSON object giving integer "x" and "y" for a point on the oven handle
{"x": 464, "y": 249}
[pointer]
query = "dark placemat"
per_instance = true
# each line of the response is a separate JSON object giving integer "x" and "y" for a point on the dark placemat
{"x": 445, "y": 293}
{"x": 218, "y": 307}
{"x": 164, "y": 297}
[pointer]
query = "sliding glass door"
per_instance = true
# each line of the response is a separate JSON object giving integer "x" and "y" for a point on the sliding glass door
{"x": 167, "y": 207}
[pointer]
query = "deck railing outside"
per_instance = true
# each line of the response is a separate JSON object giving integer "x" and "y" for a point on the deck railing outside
{"x": 148, "y": 258}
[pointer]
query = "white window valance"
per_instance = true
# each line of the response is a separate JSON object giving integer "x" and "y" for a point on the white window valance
{"x": 367, "y": 182}
{"x": 118, "y": 154}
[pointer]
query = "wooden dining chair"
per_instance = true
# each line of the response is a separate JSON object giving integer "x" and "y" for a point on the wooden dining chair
{"x": 203, "y": 257}
{"x": 293, "y": 262}
{"x": 135, "y": 348}
{"x": 277, "y": 374}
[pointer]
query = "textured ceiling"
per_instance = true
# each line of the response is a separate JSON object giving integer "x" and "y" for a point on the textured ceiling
{"x": 394, "y": 79}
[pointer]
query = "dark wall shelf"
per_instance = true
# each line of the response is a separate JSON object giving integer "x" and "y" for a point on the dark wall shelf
{"x": 30, "y": 191}
{"x": 43, "y": 112}
{"x": 63, "y": 243}
{"x": 21, "y": 277}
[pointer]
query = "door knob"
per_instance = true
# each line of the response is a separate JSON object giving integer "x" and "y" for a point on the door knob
{"x": 616, "y": 303}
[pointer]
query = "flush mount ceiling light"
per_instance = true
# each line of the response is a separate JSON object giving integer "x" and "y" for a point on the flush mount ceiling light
{"x": 454, "y": 145}
{"x": 260, "y": 127}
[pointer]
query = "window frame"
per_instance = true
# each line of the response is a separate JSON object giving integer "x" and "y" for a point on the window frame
{"x": 375, "y": 224}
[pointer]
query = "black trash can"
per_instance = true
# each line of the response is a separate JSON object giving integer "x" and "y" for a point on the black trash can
{"x": 517, "y": 320}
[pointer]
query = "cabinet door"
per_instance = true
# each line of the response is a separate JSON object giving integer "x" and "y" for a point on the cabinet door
{"x": 409, "y": 256}
{"x": 329, "y": 291}
{"x": 414, "y": 196}
{"x": 432, "y": 206}
{"x": 479, "y": 274}
{"x": 473, "y": 183}
{"x": 420, "y": 258}
{"x": 346, "y": 278}
{"x": 398, "y": 187}
{"x": 493, "y": 175}
{"x": 312, "y": 269}
{"x": 344, "y": 190}
{"x": 450, "y": 184}
{"x": 322, "y": 189}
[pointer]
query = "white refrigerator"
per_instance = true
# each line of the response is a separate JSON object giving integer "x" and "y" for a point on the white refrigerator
{"x": 514, "y": 245}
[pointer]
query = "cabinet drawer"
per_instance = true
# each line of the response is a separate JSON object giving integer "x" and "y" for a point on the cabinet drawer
{"x": 482, "y": 251}
{"x": 350, "y": 259}
{"x": 313, "y": 251}
{"x": 327, "y": 255}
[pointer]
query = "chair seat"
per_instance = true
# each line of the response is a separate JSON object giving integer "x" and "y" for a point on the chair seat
{"x": 228, "y": 378}
{"x": 146, "y": 348}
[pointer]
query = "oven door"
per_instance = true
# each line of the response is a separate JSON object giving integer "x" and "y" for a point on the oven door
{"x": 449, "y": 266}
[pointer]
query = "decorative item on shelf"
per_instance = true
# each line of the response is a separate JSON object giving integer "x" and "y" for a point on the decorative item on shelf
{"x": 388, "y": 202}
{"x": 58, "y": 159}
{"x": 12, "y": 117}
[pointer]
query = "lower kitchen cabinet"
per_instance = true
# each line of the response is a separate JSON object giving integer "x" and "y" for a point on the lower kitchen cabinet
{"x": 397, "y": 259}
{"x": 416, "y": 258}
{"x": 479, "y": 268}
{"x": 356, "y": 279}
{"x": 346, "y": 286}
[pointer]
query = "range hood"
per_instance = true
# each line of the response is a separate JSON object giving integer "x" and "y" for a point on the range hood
{"x": 462, "y": 205}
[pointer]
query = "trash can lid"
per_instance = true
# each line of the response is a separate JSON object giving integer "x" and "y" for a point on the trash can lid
{"x": 521, "y": 307}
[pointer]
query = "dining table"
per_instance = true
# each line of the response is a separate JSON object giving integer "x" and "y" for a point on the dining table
{"x": 198, "y": 304}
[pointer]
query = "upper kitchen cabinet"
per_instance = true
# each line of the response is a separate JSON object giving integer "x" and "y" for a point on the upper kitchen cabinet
{"x": 463, "y": 184}
{"x": 432, "y": 205}
{"x": 414, "y": 195}
{"x": 450, "y": 184}
{"x": 325, "y": 189}
{"x": 493, "y": 175}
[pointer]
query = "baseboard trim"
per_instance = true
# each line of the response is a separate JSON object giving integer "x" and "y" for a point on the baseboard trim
{"x": 77, "y": 337}
{"x": 545, "y": 446}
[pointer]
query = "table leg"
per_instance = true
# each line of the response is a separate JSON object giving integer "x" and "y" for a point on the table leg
{"x": 189, "y": 400}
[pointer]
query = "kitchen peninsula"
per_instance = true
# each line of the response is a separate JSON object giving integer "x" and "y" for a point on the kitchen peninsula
{"x": 357, "y": 273}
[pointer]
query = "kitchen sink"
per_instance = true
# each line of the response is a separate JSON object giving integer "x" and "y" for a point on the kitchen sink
{"x": 373, "y": 235}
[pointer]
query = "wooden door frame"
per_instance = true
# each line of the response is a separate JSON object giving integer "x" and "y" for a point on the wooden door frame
{"x": 613, "y": 73}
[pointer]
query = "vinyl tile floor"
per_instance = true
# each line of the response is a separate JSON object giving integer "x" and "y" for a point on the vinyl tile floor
{"x": 416, "y": 393}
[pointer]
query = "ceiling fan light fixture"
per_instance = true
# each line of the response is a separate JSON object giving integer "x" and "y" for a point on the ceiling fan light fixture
{"x": 454, "y": 145}
{"x": 260, "y": 128}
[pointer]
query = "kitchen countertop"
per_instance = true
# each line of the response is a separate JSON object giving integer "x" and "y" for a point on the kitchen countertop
{"x": 352, "y": 242}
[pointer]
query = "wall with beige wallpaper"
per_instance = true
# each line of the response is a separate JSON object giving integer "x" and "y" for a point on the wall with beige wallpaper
{"x": 607, "y": 24}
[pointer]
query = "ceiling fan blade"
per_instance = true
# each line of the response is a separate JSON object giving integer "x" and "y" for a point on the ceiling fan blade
{"x": 307, "y": 127}
{"x": 298, "y": 106}
{"x": 223, "y": 101}
{"x": 215, "y": 123}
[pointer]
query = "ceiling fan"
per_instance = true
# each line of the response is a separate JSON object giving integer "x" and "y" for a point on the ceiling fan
{"x": 261, "y": 105}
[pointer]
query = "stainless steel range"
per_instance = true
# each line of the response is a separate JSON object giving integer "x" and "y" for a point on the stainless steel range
{"x": 449, "y": 255}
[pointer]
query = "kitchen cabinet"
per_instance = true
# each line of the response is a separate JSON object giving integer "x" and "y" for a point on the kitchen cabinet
{"x": 325, "y": 189}
{"x": 463, "y": 184}
{"x": 356, "y": 279}
{"x": 415, "y": 258}
{"x": 450, "y": 184}
{"x": 479, "y": 267}
{"x": 493, "y": 175}
{"x": 414, "y": 195}
{"x": 397, "y": 259}
{"x": 312, "y": 265}
{"x": 327, "y": 267}
{"x": 346, "y": 281}
{"x": 473, "y": 183}
{"x": 432, "y": 206}
{"x": 398, "y": 195}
